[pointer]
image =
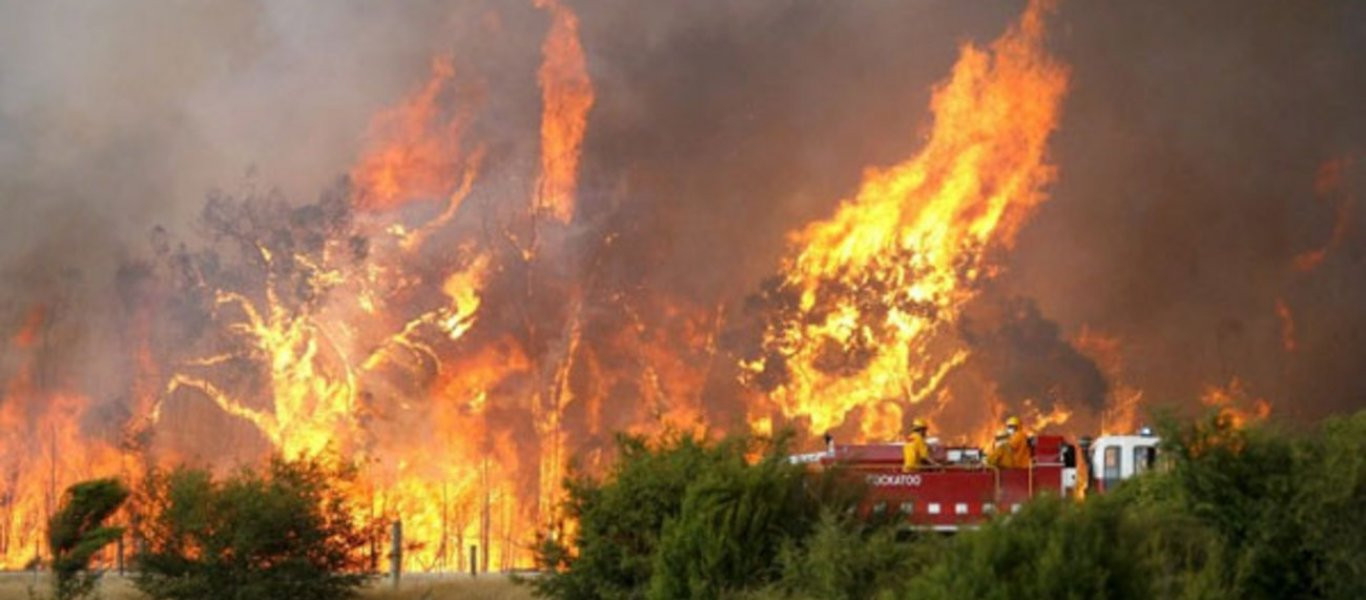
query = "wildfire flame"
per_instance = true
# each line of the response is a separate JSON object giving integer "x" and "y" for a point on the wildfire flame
{"x": 876, "y": 282}
{"x": 1235, "y": 403}
{"x": 418, "y": 152}
{"x": 1328, "y": 184}
{"x": 46, "y": 445}
{"x": 328, "y": 361}
{"x": 567, "y": 96}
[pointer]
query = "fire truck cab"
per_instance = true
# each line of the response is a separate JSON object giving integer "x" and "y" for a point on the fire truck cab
{"x": 1114, "y": 458}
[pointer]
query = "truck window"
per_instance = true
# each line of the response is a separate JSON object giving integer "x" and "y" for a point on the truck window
{"x": 1144, "y": 456}
{"x": 1111, "y": 468}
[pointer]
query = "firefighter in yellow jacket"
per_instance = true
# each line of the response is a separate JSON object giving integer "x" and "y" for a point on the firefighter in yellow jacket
{"x": 916, "y": 452}
{"x": 998, "y": 448}
{"x": 1014, "y": 453}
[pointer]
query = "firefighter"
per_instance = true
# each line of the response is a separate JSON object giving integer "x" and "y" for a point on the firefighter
{"x": 998, "y": 449}
{"x": 916, "y": 452}
{"x": 1016, "y": 451}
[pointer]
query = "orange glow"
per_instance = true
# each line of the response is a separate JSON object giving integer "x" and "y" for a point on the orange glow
{"x": 1328, "y": 184}
{"x": 416, "y": 147}
{"x": 1287, "y": 325}
{"x": 1235, "y": 403}
{"x": 1121, "y": 415}
{"x": 32, "y": 327}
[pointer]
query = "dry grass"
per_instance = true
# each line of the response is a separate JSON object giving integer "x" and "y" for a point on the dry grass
{"x": 417, "y": 587}
{"x": 23, "y": 586}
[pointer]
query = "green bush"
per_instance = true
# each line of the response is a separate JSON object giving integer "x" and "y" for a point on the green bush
{"x": 682, "y": 517}
{"x": 845, "y": 558}
{"x": 77, "y": 532}
{"x": 1288, "y": 510}
{"x": 1051, "y": 549}
{"x": 733, "y": 521}
{"x": 284, "y": 533}
{"x": 620, "y": 518}
{"x": 1330, "y": 508}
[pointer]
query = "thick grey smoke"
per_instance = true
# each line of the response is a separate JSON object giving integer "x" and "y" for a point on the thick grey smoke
{"x": 1189, "y": 151}
{"x": 115, "y": 117}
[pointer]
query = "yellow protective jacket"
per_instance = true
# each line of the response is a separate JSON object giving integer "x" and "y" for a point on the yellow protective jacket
{"x": 914, "y": 453}
{"x": 997, "y": 456}
{"x": 1016, "y": 451}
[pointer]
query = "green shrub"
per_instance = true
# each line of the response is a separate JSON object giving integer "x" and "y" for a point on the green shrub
{"x": 683, "y": 516}
{"x": 284, "y": 533}
{"x": 733, "y": 521}
{"x": 621, "y": 517}
{"x": 1330, "y": 508}
{"x": 1051, "y": 549}
{"x": 1289, "y": 511}
{"x": 77, "y": 532}
{"x": 846, "y": 558}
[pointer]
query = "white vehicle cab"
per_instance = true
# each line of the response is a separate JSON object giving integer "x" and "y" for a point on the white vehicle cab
{"x": 1114, "y": 458}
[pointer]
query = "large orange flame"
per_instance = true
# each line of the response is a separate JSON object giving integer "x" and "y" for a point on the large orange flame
{"x": 417, "y": 151}
{"x": 46, "y": 448}
{"x": 878, "y": 279}
{"x": 567, "y": 96}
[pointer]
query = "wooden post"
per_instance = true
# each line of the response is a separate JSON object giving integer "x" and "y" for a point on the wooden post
{"x": 119, "y": 559}
{"x": 474, "y": 561}
{"x": 396, "y": 553}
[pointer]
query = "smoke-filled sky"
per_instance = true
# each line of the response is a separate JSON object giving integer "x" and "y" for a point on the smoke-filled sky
{"x": 1191, "y": 157}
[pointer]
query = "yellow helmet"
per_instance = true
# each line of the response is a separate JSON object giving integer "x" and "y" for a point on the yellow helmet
{"x": 1013, "y": 422}
{"x": 918, "y": 424}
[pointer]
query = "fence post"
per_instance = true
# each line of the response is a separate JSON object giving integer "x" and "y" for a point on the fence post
{"x": 474, "y": 561}
{"x": 396, "y": 553}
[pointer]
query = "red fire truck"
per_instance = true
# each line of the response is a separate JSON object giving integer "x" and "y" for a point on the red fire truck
{"x": 963, "y": 491}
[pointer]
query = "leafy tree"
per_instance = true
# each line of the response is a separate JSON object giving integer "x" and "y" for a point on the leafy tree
{"x": 77, "y": 532}
{"x": 285, "y": 533}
